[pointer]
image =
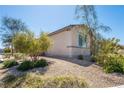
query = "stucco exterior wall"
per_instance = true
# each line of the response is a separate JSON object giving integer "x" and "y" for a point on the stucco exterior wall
{"x": 75, "y": 49}
{"x": 74, "y": 36}
{"x": 60, "y": 43}
{"x": 80, "y": 51}
{"x": 66, "y": 44}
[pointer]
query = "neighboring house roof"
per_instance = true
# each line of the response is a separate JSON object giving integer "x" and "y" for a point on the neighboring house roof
{"x": 67, "y": 28}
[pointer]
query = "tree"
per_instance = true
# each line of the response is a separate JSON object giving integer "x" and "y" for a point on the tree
{"x": 88, "y": 16}
{"x": 23, "y": 42}
{"x": 26, "y": 43}
{"x": 45, "y": 42}
{"x": 35, "y": 49}
{"x": 9, "y": 28}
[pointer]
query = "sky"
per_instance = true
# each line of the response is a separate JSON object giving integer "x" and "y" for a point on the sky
{"x": 50, "y": 18}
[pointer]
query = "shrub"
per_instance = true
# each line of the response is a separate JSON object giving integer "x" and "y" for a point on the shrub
{"x": 40, "y": 63}
{"x": 8, "y": 78}
{"x": 26, "y": 65}
{"x": 65, "y": 82}
{"x": 93, "y": 59}
{"x": 114, "y": 64}
{"x": 36, "y": 81}
{"x": 7, "y": 50}
{"x": 80, "y": 57}
{"x": 108, "y": 56}
{"x": 9, "y": 63}
{"x": 106, "y": 48}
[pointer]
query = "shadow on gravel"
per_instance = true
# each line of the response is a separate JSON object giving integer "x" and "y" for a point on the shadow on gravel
{"x": 84, "y": 63}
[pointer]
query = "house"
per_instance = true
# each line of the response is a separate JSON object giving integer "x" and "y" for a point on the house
{"x": 1, "y": 57}
{"x": 69, "y": 42}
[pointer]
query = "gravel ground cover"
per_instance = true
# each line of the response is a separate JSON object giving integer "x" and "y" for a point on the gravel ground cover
{"x": 92, "y": 73}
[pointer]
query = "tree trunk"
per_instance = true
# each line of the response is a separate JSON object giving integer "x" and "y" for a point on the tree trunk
{"x": 91, "y": 43}
{"x": 12, "y": 50}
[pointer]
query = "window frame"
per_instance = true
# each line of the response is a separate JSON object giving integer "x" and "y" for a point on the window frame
{"x": 82, "y": 46}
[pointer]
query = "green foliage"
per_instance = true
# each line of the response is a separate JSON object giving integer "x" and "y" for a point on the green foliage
{"x": 40, "y": 63}
{"x": 8, "y": 78}
{"x": 1, "y": 66}
{"x": 23, "y": 42}
{"x": 26, "y": 65}
{"x": 18, "y": 56}
{"x": 35, "y": 48}
{"x": 80, "y": 57}
{"x": 93, "y": 58}
{"x": 9, "y": 63}
{"x": 36, "y": 81}
{"x": 106, "y": 48}
{"x": 114, "y": 64}
{"x": 108, "y": 56}
{"x": 40, "y": 45}
{"x": 92, "y": 27}
{"x": 109, "y": 46}
{"x": 9, "y": 28}
{"x": 7, "y": 50}
{"x": 28, "y": 44}
{"x": 45, "y": 42}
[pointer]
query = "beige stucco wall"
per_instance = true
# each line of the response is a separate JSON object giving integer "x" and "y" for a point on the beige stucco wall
{"x": 74, "y": 36}
{"x": 66, "y": 44}
{"x": 60, "y": 43}
{"x": 76, "y": 50}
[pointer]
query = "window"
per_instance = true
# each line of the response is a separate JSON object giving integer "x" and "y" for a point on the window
{"x": 82, "y": 40}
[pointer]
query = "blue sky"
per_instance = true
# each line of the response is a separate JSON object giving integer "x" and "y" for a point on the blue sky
{"x": 51, "y": 18}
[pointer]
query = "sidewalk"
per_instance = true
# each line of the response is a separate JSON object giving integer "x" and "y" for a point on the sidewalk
{"x": 1, "y": 58}
{"x": 122, "y": 86}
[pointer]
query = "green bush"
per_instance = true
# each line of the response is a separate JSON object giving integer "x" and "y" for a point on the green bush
{"x": 26, "y": 65}
{"x": 80, "y": 57}
{"x": 40, "y": 63}
{"x": 9, "y": 63}
{"x": 8, "y": 78}
{"x": 93, "y": 59}
{"x": 114, "y": 64}
{"x": 106, "y": 48}
{"x": 7, "y": 50}
{"x": 108, "y": 56}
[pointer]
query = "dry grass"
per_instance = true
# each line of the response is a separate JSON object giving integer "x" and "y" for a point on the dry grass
{"x": 37, "y": 81}
{"x": 1, "y": 65}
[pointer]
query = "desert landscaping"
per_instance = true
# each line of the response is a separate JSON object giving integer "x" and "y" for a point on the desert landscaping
{"x": 72, "y": 56}
{"x": 92, "y": 74}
